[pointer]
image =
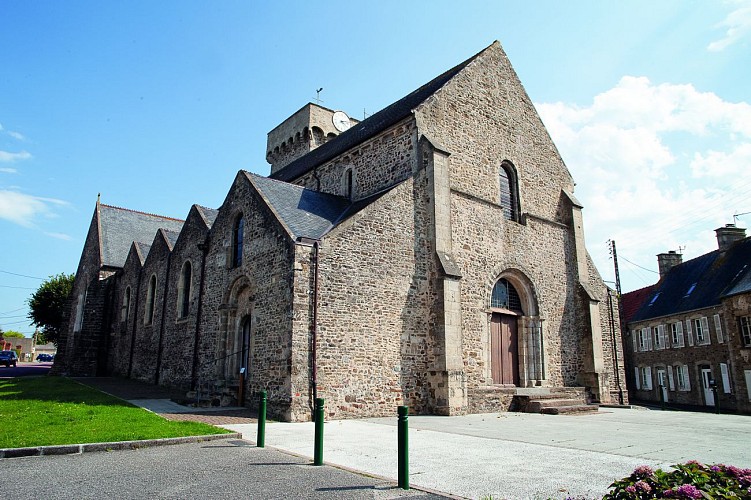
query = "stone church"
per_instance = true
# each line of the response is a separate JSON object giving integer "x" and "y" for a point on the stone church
{"x": 431, "y": 255}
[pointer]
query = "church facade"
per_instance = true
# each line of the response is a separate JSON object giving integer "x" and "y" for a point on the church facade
{"x": 431, "y": 255}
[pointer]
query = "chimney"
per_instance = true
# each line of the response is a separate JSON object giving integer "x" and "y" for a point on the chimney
{"x": 666, "y": 261}
{"x": 728, "y": 235}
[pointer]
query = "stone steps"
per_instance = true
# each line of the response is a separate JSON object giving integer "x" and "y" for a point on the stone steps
{"x": 558, "y": 401}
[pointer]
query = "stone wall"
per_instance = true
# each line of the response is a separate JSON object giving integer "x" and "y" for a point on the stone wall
{"x": 260, "y": 289}
{"x": 733, "y": 309}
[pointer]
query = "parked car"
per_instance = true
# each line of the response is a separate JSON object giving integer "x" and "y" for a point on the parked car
{"x": 44, "y": 357}
{"x": 8, "y": 358}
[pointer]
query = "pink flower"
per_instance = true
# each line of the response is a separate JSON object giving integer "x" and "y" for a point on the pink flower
{"x": 641, "y": 485}
{"x": 689, "y": 491}
{"x": 643, "y": 470}
{"x": 695, "y": 462}
{"x": 631, "y": 489}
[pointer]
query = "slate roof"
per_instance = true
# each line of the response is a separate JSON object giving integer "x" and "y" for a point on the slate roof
{"x": 209, "y": 214}
{"x": 120, "y": 227}
{"x": 369, "y": 127}
{"x": 306, "y": 213}
{"x": 700, "y": 283}
{"x": 171, "y": 237}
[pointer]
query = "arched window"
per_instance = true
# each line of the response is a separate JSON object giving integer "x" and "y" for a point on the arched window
{"x": 237, "y": 241}
{"x": 509, "y": 192}
{"x": 504, "y": 296}
{"x": 348, "y": 184}
{"x": 125, "y": 311}
{"x": 183, "y": 291}
{"x": 150, "y": 301}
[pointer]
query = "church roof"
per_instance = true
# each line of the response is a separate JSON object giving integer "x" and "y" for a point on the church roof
{"x": 120, "y": 227}
{"x": 369, "y": 127}
{"x": 700, "y": 283}
{"x": 209, "y": 214}
{"x": 306, "y": 213}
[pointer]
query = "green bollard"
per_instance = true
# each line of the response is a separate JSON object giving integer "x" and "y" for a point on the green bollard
{"x": 318, "y": 449}
{"x": 403, "y": 438}
{"x": 261, "y": 438}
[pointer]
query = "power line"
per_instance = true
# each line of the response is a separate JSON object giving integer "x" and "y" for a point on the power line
{"x": 22, "y": 275}
{"x": 14, "y": 316}
{"x": 18, "y": 287}
{"x": 14, "y": 310}
{"x": 637, "y": 265}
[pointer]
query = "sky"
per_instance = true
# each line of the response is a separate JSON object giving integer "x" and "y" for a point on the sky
{"x": 157, "y": 105}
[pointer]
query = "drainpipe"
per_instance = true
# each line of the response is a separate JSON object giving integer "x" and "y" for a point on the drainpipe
{"x": 204, "y": 247}
{"x": 615, "y": 347}
{"x": 135, "y": 323}
{"x": 161, "y": 328}
{"x": 314, "y": 330}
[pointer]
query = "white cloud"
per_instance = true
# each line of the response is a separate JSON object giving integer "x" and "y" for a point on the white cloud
{"x": 6, "y": 170}
{"x": 6, "y": 157}
{"x": 17, "y": 135}
{"x": 24, "y": 209}
{"x": 658, "y": 166}
{"x": 737, "y": 24}
{"x": 59, "y": 236}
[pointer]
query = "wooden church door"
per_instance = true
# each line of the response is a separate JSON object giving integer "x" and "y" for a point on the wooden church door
{"x": 504, "y": 353}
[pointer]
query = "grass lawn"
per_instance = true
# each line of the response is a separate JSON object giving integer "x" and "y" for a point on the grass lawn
{"x": 37, "y": 411}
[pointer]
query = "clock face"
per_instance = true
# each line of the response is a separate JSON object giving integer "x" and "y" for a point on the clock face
{"x": 341, "y": 121}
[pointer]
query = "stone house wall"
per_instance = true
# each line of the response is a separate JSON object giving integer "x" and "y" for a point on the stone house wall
{"x": 125, "y": 321}
{"x": 733, "y": 308}
{"x": 693, "y": 356}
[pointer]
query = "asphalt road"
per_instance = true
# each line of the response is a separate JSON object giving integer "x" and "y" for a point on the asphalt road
{"x": 219, "y": 469}
{"x": 25, "y": 369}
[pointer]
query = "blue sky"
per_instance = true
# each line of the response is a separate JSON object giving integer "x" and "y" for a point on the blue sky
{"x": 157, "y": 105}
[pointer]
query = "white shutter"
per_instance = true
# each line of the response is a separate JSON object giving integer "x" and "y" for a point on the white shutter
{"x": 671, "y": 381}
{"x": 705, "y": 330}
{"x": 688, "y": 332}
{"x": 635, "y": 334}
{"x": 679, "y": 330}
{"x": 661, "y": 336}
{"x": 718, "y": 328}
{"x": 725, "y": 377}
{"x": 638, "y": 379}
{"x": 649, "y": 338}
{"x": 686, "y": 377}
{"x": 648, "y": 380}
{"x": 747, "y": 374}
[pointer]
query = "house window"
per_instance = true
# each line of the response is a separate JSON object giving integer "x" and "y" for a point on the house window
{"x": 125, "y": 311}
{"x": 676, "y": 334}
{"x": 237, "y": 241}
{"x": 746, "y": 331}
{"x": 78, "y": 325}
{"x": 183, "y": 291}
{"x": 681, "y": 377}
{"x": 646, "y": 378}
{"x": 509, "y": 191}
{"x": 659, "y": 336}
{"x": 505, "y": 296}
{"x": 701, "y": 327}
{"x": 645, "y": 340}
{"x": 150, "y": 301}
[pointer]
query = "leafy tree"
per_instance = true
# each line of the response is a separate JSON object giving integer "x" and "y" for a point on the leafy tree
{"x": 12, "y": 334}
{"x": 47, "y": 305}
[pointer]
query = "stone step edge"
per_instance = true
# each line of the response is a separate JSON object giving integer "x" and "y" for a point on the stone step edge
{"x": 558, "y": 410}
{"x": 74, "y": 449}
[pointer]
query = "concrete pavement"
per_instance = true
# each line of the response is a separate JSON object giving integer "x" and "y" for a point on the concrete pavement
{"x": 515, "y": 455}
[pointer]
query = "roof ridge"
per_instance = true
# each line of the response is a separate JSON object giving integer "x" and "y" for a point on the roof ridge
{"x": 141, "y": 212}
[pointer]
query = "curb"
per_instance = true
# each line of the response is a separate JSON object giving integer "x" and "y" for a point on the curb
{"x": 74, "y": 449}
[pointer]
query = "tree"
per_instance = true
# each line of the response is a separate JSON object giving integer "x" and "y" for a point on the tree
{"x": 12, "y": 334}
{"x": 48, "y": 303}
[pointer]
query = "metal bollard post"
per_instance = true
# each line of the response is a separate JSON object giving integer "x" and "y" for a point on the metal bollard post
{"x": 261, "y": 438}
{"x": 318, "y": 449}
{"x": 661, "y": 389}
{"x": 403, "y": 439}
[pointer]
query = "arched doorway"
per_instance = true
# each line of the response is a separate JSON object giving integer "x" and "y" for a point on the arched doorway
{"x": 504, "y": 337}
{"x": 515, "y": 338}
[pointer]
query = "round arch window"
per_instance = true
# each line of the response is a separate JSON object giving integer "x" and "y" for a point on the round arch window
{"x": 505, "y": 296}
